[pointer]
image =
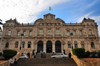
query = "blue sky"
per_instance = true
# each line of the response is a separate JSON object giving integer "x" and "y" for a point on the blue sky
{"x": 27, "y": 11}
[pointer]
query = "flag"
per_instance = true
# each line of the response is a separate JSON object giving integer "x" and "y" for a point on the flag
{"x": 50, "y": 9}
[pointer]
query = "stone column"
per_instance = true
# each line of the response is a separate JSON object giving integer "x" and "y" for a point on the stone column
{"x": 44, "y": 47}
{"x": 53, "y": 46}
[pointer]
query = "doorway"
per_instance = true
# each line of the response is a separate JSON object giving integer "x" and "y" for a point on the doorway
{"x": 58, "y": 47}
{"x": 40, "y": 46}
{"x": 49, "y": 47}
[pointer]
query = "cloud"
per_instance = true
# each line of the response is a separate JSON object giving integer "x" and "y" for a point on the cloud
{"x": 86, "y": 15}
{"x": 91, "y": 4}
{"x": 96, "y": 18}
{"x": 24, "y": 10}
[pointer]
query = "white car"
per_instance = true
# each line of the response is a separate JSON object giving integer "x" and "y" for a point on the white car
{"x": 60, "y": 55}
{"x": 24, "y": 56}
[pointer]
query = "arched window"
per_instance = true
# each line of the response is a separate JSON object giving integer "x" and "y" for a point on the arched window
{"x": 80, "y": 32}
{"x": 74, "y": 32}
{"x": 92, "y": 45}
{"x": 7, "y": 45}
{"x": 90, "y": 32}
{"x": 68, "y": 33}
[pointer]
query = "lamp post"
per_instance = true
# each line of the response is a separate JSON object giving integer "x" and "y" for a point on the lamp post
{"x": 71, "y": 38}
{"x": 22, "y": 34}
{"x": 63, "y": 47}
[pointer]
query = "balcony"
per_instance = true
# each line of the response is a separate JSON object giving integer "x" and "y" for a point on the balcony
{"x": 7, "y": 36}
{"x": 40, "y": 35}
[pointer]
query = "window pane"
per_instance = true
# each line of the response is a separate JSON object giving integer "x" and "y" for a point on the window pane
{"x": 30, "y": 33}
{"x": 9, "y": 32}
{"x": 29, "y": 45}
{"x": 76, "y": 46}
{"x": 24, "y": 33}
{"x": 82, "y": 45}
{"x": 92, "y": 45}
{"x": 16, "y": 45}
{"x": 18, "y": 33}
{"x": 68, "y": 33}
{"x": 69, "y": 45}
{"x": 22, "y": 45}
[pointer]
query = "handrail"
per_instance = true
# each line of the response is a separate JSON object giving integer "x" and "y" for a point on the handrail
{"x": 79, "y": 62}
{"x": 17, "y": 56}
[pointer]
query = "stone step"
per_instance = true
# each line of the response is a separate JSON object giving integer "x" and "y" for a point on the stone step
{"x": 47, "y": 65}
{"x": 46, "y": 62}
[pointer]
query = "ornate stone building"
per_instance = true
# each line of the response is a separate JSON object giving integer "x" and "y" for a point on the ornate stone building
{"x": 50, "y": 35}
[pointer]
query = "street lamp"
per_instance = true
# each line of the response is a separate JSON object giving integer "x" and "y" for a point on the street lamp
{"x": 63, "y": 47}
{"x": 22, "y": 34}
{"x": 71, "y": 38}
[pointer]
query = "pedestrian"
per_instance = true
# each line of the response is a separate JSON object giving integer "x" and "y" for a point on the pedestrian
{"x": 41, "y": 53}
{"x": 44, "y": 55}
{"x": 11, "y": 61}
{"x": 15, "y": 62}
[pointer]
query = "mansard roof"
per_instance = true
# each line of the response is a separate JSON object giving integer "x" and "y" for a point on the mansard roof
{"x": 88, "y": 20}
{"x": 59, "y": 20}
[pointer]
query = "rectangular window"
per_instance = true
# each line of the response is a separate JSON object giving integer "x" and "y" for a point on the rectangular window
{"x": 74, "y": 33}
{"x": 76, "y": 46}
{"x": 82, "y": 45}
{"x": 16, "y": 45}
{"x": 18, "y": 33}
{"x": 30, "y": 33}
{"x": 40, "y": 31}
{"x": 82, "y": 41}
{"x": 80, "y": 32}
{"x": 57, "y": 31}
{"x": 90, "y": 32}
{"x": 29, "y": 45}
{"x": 22, "y": 45}
{"x": 69, "y": 45}
{"x": 9, "y": 32}
{"x": 68, "y": 33}
{"x": 49, "y": 31}
{"x": 24, "y": 33}
{"x": 75, "y": 41}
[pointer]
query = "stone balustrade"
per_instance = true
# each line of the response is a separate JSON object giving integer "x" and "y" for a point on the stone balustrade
{"x": 79, "y": 62}
{"x": 17, "y": 56}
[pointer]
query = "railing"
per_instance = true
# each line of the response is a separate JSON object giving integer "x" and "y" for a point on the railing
{"x": 79, "y": 62}
{"x": 6, "y": 63}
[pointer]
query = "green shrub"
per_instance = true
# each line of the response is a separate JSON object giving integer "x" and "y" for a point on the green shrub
{"x": 79, "y": 52}
{"x": 0, "y": 53}
{"x": 87, "y": 54}
{"x": 98, "y": 53}
{"x": 9, "y": 53}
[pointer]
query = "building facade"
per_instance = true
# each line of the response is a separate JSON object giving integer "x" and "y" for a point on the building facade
{"x": 50, "y": 35}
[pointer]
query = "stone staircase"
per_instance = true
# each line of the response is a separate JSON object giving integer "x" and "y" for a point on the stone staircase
{"x": 46, "y": 62}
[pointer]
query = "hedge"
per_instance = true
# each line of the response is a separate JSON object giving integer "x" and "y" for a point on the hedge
{"x": 9, "y": 53}
{"x": 0, "y": 53}
{"x": 79, "y": 52}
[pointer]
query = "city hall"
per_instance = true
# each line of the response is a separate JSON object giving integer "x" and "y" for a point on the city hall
{"x": 50, "y": 34}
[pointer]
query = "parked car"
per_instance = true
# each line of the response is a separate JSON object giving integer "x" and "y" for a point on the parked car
{"x": 2, "y": 58}
{"x": 60, "y": 55}
{"x": 24, "y": 56}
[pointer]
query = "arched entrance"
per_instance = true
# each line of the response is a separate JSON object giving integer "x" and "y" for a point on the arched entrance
{"x": 40, "y": 46}
{"x": 58, "y": 47}
{"x": 92, "y": 45}
{"x": 49, "y": 47}
{"x": 7, "y": 45}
